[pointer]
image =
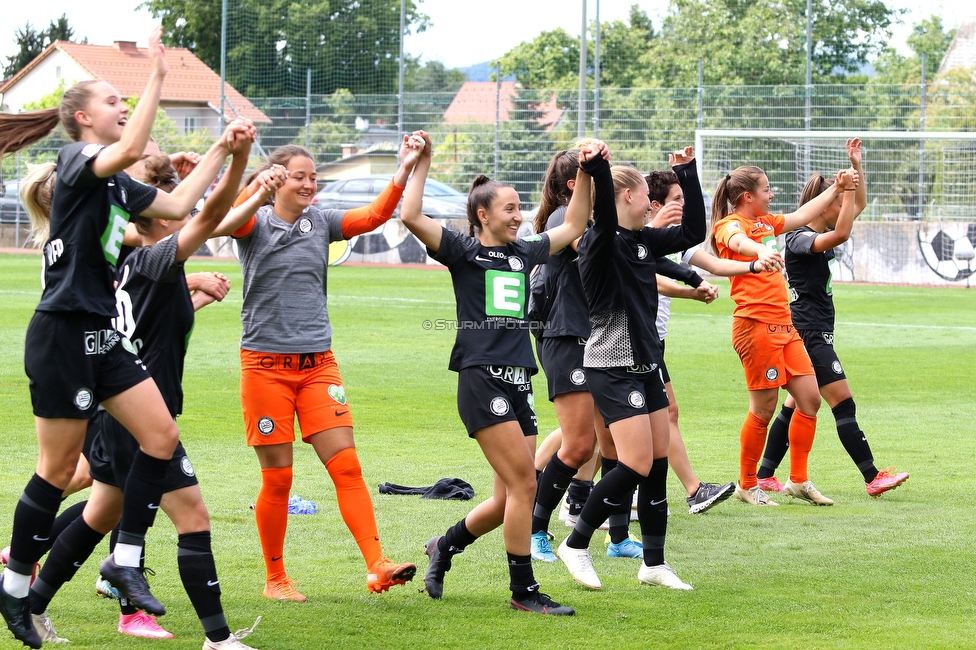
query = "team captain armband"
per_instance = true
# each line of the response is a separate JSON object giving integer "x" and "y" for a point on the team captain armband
{"x": 358, "y": 221}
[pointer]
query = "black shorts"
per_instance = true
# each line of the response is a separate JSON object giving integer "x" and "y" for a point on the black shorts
{"x": 622, "y": 393}
{"x": 820, "y": 347}
{"x": 665, "y": 377}
{"x": 489, "y": 395}
{"x": 75, "y": 361}
{"x": 113, "y": 448}
{"x": 562, "y": 361}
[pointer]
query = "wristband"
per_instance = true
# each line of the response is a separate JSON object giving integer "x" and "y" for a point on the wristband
{"x": 752, "y": 267}
{"x": 853, "y": 189}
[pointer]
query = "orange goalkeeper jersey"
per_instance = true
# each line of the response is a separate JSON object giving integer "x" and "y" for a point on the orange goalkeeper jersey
{"x": 760, "y": 296}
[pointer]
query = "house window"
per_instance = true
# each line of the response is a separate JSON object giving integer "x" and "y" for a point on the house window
{"x": 189, "y": 124}
{"x": 57, "y": 72}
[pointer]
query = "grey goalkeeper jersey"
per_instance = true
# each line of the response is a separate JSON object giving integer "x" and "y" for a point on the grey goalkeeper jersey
{"x": 285, "y": 276}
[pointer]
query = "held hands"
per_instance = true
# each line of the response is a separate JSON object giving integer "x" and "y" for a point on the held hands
{"x": 667, "y": 216}
{"x": 271, "y": 180}
{"x": 238, "y": 136}
{"x": 706, "y": 292}
{"x": 846, "y": 179}
{"x": 854, "y": 151}
{"x": 157, "y": 53}
{"x": 413, "y": 147}
{"x": 213, "y": 284}
{"x": 769, "y": 260}
{"x": 594, "y": 149}
{"x": 681, "y": 156}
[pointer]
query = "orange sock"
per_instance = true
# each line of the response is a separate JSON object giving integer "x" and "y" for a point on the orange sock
{"x": 271, "y": 512}
{"x": 355, "y": 504}
{"x": 802, "y": 430}
{"x": 752, "y": 439}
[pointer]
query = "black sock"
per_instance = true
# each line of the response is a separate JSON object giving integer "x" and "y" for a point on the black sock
{"x": 777, "y": 443}
{"x": 853, "y": 439}
{"x": 521, "y": 579}
{"x": 143, "y": 490}
{"x": 72, "y": 547}
{"x": 125, "y": 608}
{"x": 619, "y": 520}
{"x": 578, "y": 492}
{"x": 553, "y": 482}
{"x": 63, "y": 520}
{"x": 608, "y": 495}
{"x": 652, "y": 511}
{"x": 199, "y": 575}
{"x": 456, "y": 539}
{"x": 33, "y": 518}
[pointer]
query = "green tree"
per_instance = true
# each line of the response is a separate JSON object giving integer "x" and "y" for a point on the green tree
{"x": 33, "y": 41}
{"x": 929, "y": 37}
{"x": 351, "y": 44}
{"x": 432, "y": 77}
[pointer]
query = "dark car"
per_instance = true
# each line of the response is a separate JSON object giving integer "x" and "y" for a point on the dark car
{"x": 440, "y": 200}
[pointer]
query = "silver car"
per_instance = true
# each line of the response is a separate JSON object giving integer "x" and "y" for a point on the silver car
{"x": 440, "y": 201}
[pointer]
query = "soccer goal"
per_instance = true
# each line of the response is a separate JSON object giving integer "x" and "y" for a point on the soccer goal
{"x": 921, "y": 184}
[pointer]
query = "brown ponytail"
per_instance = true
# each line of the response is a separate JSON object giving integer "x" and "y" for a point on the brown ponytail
{"x": 729, "y": 192}
{"x": 816, "y": 185}
{"x": 562, "y": 169}
{"x": 20, "y": 130}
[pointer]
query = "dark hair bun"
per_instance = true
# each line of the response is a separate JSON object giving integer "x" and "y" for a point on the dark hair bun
{"x": 480, "y": 180}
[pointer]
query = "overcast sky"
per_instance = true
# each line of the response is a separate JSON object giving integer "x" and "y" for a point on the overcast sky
{"x": 454, "y": 38}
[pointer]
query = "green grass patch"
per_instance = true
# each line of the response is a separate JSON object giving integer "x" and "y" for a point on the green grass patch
{"x": 893, "y": 572}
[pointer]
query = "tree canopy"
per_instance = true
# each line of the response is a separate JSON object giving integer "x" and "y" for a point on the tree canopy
{"x": 33, "y": 41}
{"x": 352, "y": 44}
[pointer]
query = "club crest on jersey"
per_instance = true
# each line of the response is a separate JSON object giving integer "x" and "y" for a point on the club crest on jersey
{"x": 499, "y": 406}
{"x": 636, "y": 399}
{"x": 338, "y": 393}
{"x": 186, "y": 466}
{"x": 835, "y": 366}
{"x": 578, "y": 377}
{"x": 266, "y": 426}
{"x": 641, "y": 251}
{"x": 83, "y": 399}
{"x": 772, "y": 374}
{"x": 516, "y": 263}
{"x": 305, "y": 225}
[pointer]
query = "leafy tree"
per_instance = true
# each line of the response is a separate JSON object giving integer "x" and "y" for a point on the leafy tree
{"x": 929, "y": 37}
{"x": 59, "y": 30}
{"x": 433, "y": 77}
{"x": 351, "y": 44}
{"x": 33, "y": 41}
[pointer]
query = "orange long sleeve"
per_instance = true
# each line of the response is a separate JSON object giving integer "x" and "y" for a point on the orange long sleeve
{"x": 358, "y": 221}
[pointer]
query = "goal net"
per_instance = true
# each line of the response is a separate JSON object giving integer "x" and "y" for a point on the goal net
{"x": 919, "y": 226}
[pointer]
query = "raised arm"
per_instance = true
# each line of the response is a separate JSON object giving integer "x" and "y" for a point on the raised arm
{"x": 423, "y": 227}
{"x": 199, "y": 229}
{"x": 579, "y": 208}
{"x": 692, "y": 229}
{"x": 177, "y": 204}
{"x": 861, "y": 195}
{"x": 128, "y": 150}
{"x": 810, "y": 210}
{"x": 251, "y": 198}
{"x": 842, "y": 229}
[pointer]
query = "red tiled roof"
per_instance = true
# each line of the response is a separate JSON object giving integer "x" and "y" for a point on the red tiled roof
{"x": 126, "y": 67}
{"x": 475, "y": 102}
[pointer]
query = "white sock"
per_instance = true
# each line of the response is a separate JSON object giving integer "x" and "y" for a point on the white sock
{"x": 16, "y": 584}
{"x": 127, "y": 555}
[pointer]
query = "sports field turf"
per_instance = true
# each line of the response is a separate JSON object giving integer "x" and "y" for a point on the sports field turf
{"x": 897, "y": 572}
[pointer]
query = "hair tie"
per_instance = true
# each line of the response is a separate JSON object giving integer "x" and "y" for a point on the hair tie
{"x": 728, "y": 177}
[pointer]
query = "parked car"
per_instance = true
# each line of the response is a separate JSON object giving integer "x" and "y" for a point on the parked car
{"x": 440, "y": 200}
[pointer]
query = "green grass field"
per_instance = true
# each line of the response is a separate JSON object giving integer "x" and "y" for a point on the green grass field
{"x": 897, "y": 572}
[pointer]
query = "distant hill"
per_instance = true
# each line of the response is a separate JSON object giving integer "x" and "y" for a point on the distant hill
{"x": 482, "y": 72}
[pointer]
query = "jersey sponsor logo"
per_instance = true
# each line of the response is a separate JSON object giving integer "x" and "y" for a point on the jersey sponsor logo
{"x": 266, "y": 426}
{"x": 305, "y": 225}
{"x": 91, "y": 149}
{"x": 835, "y": 366}
{"x": 306, "y": 360}
{"x": 504, "y": 294}
{"x": 641, "y": 251}
{"x": 577, "y": 377}
{"x": 828, "y": 337}
{"x": 769, "y": 241}
{"x": 84, "y": 399}
{"x": 772, "y": 374}
{"x": 636, "y": 399}
{"x": 53, "y": 251}
{"x": 535, "y": 237}
{"x": 186, "y": 466}
{"x": 100, "y": 341}
{"x": 118, "y": 219}
{"x": 514, "y": 375}
{"x": 338, "y": 393}
{"x": 516, "y": 263}
{"x": 499, "y": 406}
{"x": 339, "y": 414}
{"x": 657, "y": 503}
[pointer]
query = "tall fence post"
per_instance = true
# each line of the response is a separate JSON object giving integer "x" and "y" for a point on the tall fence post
{"x": 808, "y": 103}
{"x": 581, "y": 104}
{"x": 308, "y": 108}
{"x": 596, "y": 76}
{"x": 403, "y": 20}
{"x": 701, "y": 91}
{"x": 921, "y": 144}
{"x": 223, "y": 62}
{"x": 498, "y": 112}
